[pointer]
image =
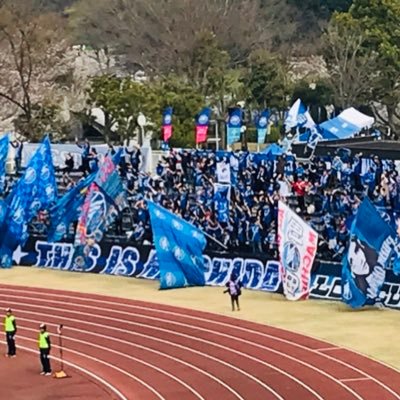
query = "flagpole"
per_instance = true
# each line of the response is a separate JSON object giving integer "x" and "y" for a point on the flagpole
{"x": 215, "y": 240}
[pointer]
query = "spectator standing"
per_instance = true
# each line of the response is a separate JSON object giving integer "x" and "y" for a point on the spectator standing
{"x": 17, "y": 145}
{"x": 234, "y": 288}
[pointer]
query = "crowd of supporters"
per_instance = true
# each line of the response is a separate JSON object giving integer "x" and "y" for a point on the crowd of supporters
{"x": 325, "y": 191}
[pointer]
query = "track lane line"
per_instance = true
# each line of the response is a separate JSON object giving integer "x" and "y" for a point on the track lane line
{"x": 83, "y": 370}
{"x": 380, "y": 383}
{"x": 82, "y": 322}
{"x": 120, "y": 354}
{"x": 328, "y": 376}
{"x": 216, "y": 379}
{"x": 95, "y": 359}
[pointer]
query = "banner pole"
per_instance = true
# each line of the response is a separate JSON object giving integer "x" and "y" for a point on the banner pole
{"x": 215, "y": 240}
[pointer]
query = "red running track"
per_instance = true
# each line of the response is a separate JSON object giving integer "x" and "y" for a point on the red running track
{"x": 147, "y": 351}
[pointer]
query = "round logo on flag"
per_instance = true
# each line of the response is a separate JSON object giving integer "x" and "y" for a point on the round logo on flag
{"x": 197, "y": 235}
{"x": 179, "y": 253}
{"x": 49, "y": 191}
{"x": 170, "y": 279}
{"x": 159, "y": 214}
{"x": 18, "y": 216}
{"x": 35, "y": 206}
{"x": 45, "y": 173}
{"x": 262, "y": 122}
{"x": 203, "y": 119}
{"x": 164, "y": 244}
{"x": 30, "y": 175}
{"x": 291, "y": 257}
{"x": 167, "y": 119}
{"x": 177, "y": 225}
{"x": 235, "y": 120}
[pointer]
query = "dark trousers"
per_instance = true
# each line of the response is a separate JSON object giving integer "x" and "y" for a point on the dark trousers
{"x": 235, "y": 299}
{"x": 12, "y": 350}
{"x": 45, "y": 360}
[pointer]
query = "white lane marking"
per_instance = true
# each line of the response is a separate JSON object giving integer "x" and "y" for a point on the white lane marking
{"x": 83, "y": 370}
{"x": 328, "y": 349}
{"x": 160, "y": 370}
{"x": 240, "y": 371}
{"x": 308, "y": 388}
{"x": 154, "y": 391}
{"x": 80, "y": 297}
{"x": 355, "y": 379}
{"x": 144, "y": 348}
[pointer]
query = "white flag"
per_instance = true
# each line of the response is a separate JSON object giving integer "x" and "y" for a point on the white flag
{"x": 297, "y": 248}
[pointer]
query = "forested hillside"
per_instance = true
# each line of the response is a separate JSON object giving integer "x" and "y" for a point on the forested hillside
{"x": 193, "y": 53}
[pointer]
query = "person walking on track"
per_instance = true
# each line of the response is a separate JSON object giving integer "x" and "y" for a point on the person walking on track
{"x": 44, "y": 348}
{"x": 234, "y": 288}
{"x": 10, "y": 328}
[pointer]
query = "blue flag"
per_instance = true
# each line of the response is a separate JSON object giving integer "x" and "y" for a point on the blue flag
{"x": 368, "y": 256}
{"x": 222, "y": 196}
{"x": 314, "y": 137}
{"x": 179, "y": 247}
{"x": 4, "y": 142}
{"x": 67, "y": 209}
{"x": 262, "y": 126}
{"x": 36, "y": 190}
{"x": 234, "y": 125}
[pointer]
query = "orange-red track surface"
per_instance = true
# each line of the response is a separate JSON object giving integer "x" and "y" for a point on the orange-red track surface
{"x": 146, "y": 351}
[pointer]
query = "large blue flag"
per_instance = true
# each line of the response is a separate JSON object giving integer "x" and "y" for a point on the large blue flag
{"x": 67, "y": 209}
{"x": 179, "y": 247}
{"x": 36, "y": 190}
{"x": 104, "y": 200}
{"x": 368, "y": 256}
{"x": 4, "y": 142}
{"x": 234, "y": 125}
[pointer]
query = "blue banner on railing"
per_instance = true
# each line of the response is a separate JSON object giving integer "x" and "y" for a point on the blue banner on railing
{"x": 257, "y": 272}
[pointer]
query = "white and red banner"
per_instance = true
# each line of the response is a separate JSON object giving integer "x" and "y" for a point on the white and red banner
{"x": 297, "y": 248}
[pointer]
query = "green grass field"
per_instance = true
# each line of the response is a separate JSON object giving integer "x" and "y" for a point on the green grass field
{"x": 370, "y": 331}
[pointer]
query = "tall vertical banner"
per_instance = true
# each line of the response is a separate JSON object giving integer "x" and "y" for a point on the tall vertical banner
{"x": 4, "y": 143}
{"x": 202, "y": 122}
{"x": 234, "y": 125}
{"x": 371, "y": 246}
{"x": 262, "y": 126}
{"x": 167, "y": 124}
{"x": 297, "y": 249}
{"x": 222, "y": 199}
{"x": 104, "y": 200}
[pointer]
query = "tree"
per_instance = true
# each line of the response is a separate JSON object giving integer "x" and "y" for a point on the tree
{"x": 121, "y": 101}
{"x": 186, "y": 102}
{"x": 32, "y": 49}
{"x": 379, "y": 21}
{"x": 266, "y": 80}
{"x": 160, "y": 36}
{"x": 352, "y": 64}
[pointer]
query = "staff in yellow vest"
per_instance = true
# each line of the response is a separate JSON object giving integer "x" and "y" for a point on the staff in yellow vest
{"x": 44, "y": 348}
{"x": 10, "y": 328}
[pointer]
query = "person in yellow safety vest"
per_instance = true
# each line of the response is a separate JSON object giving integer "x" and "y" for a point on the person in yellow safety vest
{"x": 44, "y": 348}
{"x": 10, "y": 328}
